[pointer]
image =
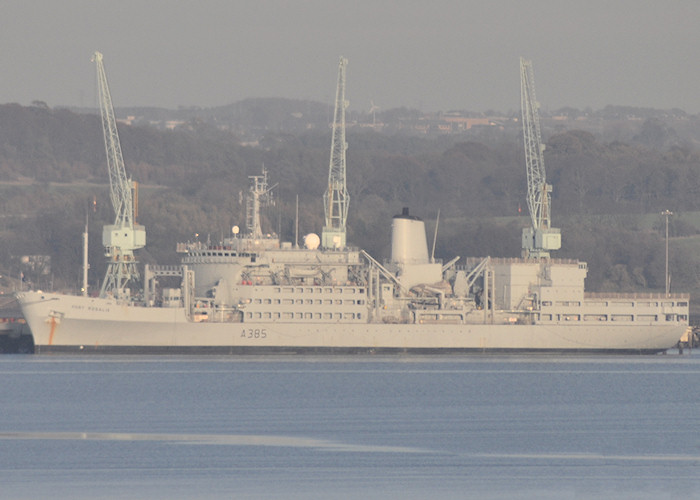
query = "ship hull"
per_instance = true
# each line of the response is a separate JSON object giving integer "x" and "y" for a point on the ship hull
{"x": 63, "y": 323}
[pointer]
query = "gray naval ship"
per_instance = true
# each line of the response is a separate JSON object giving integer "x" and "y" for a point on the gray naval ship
{"x": 256, "y": 294}
{"x": 253, "y": 293}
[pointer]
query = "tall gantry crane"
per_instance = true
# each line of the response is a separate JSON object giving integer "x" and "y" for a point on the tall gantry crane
{"x": 124, "y": 236}
{"x": 539, "y": 238}
{"x": 336, "y": 198}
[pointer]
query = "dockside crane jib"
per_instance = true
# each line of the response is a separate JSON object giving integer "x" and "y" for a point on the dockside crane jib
{"x": 540, "y": 237}
{"x": 124, "y": 236}
{"x": 336, "y": 198}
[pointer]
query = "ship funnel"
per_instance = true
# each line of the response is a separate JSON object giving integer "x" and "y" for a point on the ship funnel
{"x": 408, "y": 242}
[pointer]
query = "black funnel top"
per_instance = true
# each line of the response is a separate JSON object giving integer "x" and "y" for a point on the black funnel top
{"x": 404, "y": 215}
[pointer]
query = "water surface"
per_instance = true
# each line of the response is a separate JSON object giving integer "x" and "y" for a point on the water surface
{"x": 350, "y": 427}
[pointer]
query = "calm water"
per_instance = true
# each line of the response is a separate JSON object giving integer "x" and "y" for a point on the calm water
{"x": 350, "y": 427}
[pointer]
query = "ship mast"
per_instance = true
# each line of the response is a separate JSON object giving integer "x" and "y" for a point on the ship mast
{"x": 86, "y": 266}
{"x": 124, "y": 236}
{"x": 336, "y": 198}
{"x": 539, "y": 238}
{"x": 260, "y": 195}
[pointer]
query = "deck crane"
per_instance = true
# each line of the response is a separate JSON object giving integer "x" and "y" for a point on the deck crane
{"x": 540, "y": 238}
{"x": 336, "y": 198}
{"x": 124, "y": 236}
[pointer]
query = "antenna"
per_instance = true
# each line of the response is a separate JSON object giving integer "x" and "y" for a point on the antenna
{"x": 86, "y": 266}
{"x": 296, "y": 225}
{"x": 437, "y": 223}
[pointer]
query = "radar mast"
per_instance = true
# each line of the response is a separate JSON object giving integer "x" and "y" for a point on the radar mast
{"x": 260, "y": 195}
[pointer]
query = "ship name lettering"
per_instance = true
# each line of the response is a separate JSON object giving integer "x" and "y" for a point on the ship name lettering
{"x": 98, "y": 309}
{"x": 254, "y": 333}
{"x": 91, "y": 308}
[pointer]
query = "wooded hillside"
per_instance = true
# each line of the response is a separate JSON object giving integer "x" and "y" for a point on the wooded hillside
{"x": 608, "y": 195}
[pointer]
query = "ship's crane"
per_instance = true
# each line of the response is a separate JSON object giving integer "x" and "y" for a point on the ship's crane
{"x": 124, "y": 236}
{"x": 336, "y": 198}
{"x": 540, "y": 238}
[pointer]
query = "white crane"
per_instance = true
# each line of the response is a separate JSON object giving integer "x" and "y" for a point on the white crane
{"x": 124, "y": 236}
{"x": 336, "y": 198}
{"x": 540, "y": 238}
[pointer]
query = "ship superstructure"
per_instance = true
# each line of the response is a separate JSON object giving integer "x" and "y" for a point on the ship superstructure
{"x": 255, "y": 293}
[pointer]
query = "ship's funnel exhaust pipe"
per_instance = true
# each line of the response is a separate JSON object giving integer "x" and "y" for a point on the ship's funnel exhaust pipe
{"x": 408, "y": 241}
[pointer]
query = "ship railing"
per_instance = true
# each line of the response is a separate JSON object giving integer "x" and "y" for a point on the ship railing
{"x": 184, "y": 247}
{"x": 164, "y": 270}
{"x": 473, "y": 261}
{"x": 636, "y": 295}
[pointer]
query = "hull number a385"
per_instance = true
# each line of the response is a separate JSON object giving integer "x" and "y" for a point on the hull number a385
{"x": 254, "y": 333}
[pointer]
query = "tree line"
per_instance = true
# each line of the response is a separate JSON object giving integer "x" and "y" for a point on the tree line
{"x": 194, "y": 180}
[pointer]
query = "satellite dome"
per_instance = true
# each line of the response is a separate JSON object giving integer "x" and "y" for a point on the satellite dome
{"x": 312, "y": 241}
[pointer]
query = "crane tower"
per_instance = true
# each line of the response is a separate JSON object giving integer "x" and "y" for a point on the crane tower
{"x": 539, "y": 238}
{"x": 124, "y": 236}
{"x": 336, "y": 198}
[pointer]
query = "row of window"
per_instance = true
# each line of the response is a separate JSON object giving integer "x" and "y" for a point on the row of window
{"x": 327, "y": 316}
{"x": 220, "y": 254}
{"x": 319, "y": 289}
{"x": 308, "y": 302}
{"x": 613, "y": 317}
{"x": 575, "y": 303}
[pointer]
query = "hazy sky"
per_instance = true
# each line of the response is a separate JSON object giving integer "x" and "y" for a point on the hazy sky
{"x": 430, "y": 54}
